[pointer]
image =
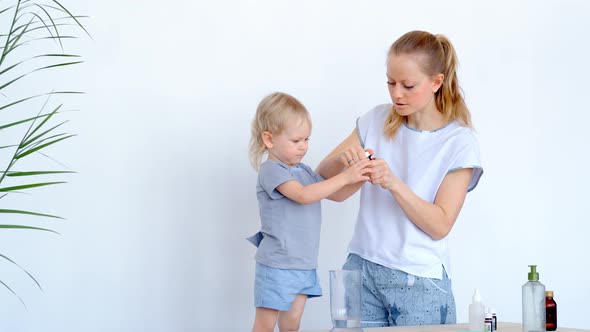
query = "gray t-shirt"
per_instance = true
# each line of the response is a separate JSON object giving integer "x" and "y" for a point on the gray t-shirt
{"x": 290, "y": 234}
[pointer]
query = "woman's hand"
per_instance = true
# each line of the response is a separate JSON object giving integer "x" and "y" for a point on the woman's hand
{"x": 381, "y": 174}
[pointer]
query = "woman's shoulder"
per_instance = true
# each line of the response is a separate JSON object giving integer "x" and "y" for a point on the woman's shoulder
{"x": 461, "y": 135}
{"x": 460, "y": 130}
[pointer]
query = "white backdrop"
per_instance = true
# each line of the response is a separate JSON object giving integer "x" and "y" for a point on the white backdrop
{"x": 164, "y": 197}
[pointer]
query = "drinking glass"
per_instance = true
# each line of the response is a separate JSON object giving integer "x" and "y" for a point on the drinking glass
{"x": 345, "y": 300}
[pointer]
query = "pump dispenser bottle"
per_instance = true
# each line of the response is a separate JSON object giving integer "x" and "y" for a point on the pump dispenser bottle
{"x": 476, "y": 313}
{"x": 533, "y": 303}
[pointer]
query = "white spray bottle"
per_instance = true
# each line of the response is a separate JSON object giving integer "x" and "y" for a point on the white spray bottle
{"x": 476, "y": 313}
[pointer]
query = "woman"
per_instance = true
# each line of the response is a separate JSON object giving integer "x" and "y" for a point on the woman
{"x": 427, "y": 159}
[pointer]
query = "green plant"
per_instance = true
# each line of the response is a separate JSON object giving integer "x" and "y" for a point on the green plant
{"x": 33, "y": 26}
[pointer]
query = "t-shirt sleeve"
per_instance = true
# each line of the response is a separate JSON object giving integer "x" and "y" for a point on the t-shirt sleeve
{"x": 362, "y": 126}
{"x": 368, "y": 121}
{"x": 468, "y": 157}
{"x": 312, "y": 173}
{"x": 272, "y": 175}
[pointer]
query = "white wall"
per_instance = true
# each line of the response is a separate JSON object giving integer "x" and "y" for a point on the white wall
{"x": 164, "y": 197}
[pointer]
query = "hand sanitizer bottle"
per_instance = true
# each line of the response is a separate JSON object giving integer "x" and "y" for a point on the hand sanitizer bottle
{"x": 533, "y": 303}
{"x": 476, "y": 313}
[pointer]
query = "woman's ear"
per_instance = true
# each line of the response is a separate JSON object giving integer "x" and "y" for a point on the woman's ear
{"x": 437, "y": 82}
{"x": 267, "y": 139}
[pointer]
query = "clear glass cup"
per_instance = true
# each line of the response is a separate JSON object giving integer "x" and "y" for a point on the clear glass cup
{"x": 345, "y": 300}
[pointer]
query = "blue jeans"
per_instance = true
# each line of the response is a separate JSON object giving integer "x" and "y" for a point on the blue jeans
{"x": 392, "y": 297}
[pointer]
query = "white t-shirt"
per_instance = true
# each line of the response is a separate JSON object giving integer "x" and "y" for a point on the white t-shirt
{"x": 421, "y": 159}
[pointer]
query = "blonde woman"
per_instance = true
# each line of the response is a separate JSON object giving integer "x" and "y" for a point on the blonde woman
{"x": 289, "y": 194}
{"x": 427, "y": 161}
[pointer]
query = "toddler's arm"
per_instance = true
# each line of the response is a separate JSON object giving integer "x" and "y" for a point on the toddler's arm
{"x": 337, "y": 161}
{"x": 323, "y": 189}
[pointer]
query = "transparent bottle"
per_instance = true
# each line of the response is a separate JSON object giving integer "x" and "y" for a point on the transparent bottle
{"x": 476, "y": 313}
{"x": 533, "y": 303}
{"x": 551, "y": 311}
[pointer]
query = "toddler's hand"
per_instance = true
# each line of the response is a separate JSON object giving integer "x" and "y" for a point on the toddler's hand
{"x": 358, "y": 171}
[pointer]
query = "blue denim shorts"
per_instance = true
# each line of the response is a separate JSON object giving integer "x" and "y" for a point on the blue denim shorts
{"x": 394, "y": 298}
{"x": 277, "y": 288}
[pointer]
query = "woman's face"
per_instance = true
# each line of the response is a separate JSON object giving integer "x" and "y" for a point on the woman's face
{"x": 411, "y": 89}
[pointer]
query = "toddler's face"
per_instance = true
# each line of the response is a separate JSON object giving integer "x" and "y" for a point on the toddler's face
{"x": 290, "y": 146}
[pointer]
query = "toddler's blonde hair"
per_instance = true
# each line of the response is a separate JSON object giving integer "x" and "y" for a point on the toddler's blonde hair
{"x": 272, "y": 115}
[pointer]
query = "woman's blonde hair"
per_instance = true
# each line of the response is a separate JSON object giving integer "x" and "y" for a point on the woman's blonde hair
{"x": 272, "y": 115}
{"x": 438, "y": 57}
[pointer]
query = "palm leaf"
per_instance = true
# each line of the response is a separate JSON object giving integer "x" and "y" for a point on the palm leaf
{"x": 10, "y": 289}
{"x": 19, "y": 36}
{"x": 28, "y": 227}
{"x": 45, "y": 139}
{"x": 6, "y": 9}
{"x": 16, "y": 123}
{"x": 29, "y": 186}
{"x": 30, "y": 139}
{"x": 29, "y": 133}
{"x": 32, "y": 21}
{"x": 9, "y": 34}
{"x": 36, "y": 57}
{"x": 53, "y": 23}
{"x": 31, "y": 173}
{"x": 39, "y": 69}
{"x": 28, "y": 152}
{"x": 43, "y": 21}
{"x": 37, "y": 96}
{"x": 43, "y": 26}
{"x": 27, "y": 272}
{"x": 73, "y": 17}
{"x": 29, "y": 213}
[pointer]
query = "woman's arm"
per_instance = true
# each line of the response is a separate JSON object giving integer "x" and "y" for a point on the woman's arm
{"x": 435, "y": 219}
{"x": 337, "y": 160}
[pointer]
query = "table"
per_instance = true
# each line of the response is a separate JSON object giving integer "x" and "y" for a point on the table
{"x": 502, "y": 327}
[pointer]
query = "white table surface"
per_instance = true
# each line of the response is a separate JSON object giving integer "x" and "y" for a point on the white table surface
{"x": 502, "y": 327}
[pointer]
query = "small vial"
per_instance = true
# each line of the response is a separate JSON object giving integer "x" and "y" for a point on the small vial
{"x": 494, "y": 319}
{"x": 487, "y": 325}
{"x": 550, "y": 311}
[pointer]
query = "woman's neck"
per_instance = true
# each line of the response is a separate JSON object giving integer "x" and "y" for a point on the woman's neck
{"x": 427, "y": 121}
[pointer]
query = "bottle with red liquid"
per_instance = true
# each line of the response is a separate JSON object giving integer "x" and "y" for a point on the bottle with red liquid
{"x": 550, "y": 311}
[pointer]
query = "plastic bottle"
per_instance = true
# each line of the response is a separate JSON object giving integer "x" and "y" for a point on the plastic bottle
{"x": 487, "y": 325}
{"x": 551, "y": 311}
{"x": 476, "y": 313}
{"x": 533, "y": 303}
